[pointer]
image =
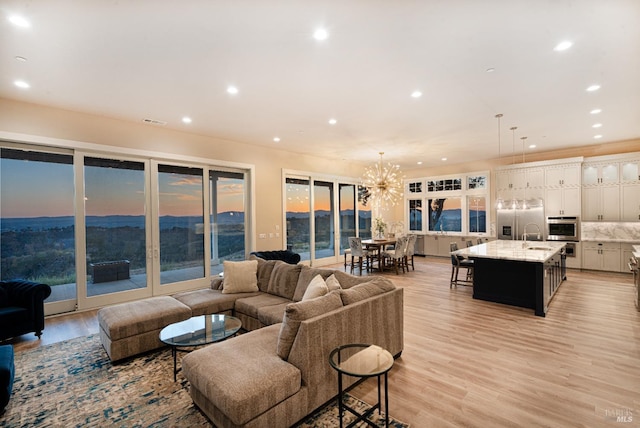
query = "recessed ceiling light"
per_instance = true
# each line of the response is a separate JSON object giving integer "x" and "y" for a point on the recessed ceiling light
{"x": 332, "y": 121}
{"x": 595, "y": 111}
{"x": 186, "y": 119}
{"x": 419, "y": 162}
{"x": 232, "y": 90}
{"x": 416, "y": 94}
{"x": 597, "y": 125}
{"x": 19, "y": 21}
{"x": 276, "y": 139}
{"x": 320, "y": 34}
{"x": 22, "y": 84}
{"x": 563, "y": 46}
{"x": 490, "y": 70}
{"x": 593, "y": 88}
{"x": 444, "y": 159}
{"x": 597, "y": 137}
{"x": 532, "y": 146}
{"x": 20, "y": 58}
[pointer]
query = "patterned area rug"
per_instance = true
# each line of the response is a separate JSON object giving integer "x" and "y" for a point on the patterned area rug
{"x": 73, "y": 383}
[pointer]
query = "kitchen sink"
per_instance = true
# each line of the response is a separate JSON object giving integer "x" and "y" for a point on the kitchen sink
{"x": 539, "y": 248}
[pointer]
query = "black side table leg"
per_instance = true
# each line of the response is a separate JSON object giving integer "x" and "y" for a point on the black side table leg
{"x": 174, "y": 352}
{"x": 386, "y": 400}
{"x": 340, "y": 409}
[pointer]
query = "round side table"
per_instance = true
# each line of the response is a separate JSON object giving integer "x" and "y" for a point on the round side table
{"x": 362, "y": 360}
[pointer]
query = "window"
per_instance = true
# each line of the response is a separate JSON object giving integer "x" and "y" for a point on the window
{"x": 454, "y": 203}
{"x": 445, "y": 214}
{"x": 347, "y": 209}
{"x": 415, "y": 187}
{"x": 227, "y": 217}
{"x": 477, "y": 214}
{"x": 37, "y": 220}
{"x": 415, "y": 215}
{"x": 298, "y": 217}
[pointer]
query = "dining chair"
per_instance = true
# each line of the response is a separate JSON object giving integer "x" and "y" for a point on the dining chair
{"x": 397, "y": 255}
{"x": 479, "y": 241}
{"x": 458, "y": 262}
{"x": 355, "y": 245}
{"x": 411, "y": 250}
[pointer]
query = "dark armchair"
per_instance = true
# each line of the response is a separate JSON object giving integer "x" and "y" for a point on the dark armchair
{"x": 22, "y": 307}
{"x": 286, "y": 256}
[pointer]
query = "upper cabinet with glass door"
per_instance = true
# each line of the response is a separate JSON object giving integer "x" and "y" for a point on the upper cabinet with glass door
{"x": 594, "y": 174}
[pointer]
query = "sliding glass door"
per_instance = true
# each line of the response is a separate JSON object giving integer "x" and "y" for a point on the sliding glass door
{"x": 116, "y": 225}
{"x": 37, "y": 221}
{"x": 298, "y": 216}
{"x": 323, "y": 220}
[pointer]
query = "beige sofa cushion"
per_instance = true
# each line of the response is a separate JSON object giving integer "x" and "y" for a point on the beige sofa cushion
{"x": 265, "y": 268}
{"x": 240, "y": 277}
{"x": 141, "y": 316}
{"x": 284, "y": 279}
{"x": 251, "y": 305}
{"x": 365, "y": 290}
{"x": 306, "y": 275}
{"x": 208, "y": 301}
{"x": 242, "y": 376}
{"x": 300, "y": 311}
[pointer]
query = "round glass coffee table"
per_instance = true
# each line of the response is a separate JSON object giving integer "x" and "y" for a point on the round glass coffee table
{"x": 198, "y": 331}
{"x": 362, "y": 360}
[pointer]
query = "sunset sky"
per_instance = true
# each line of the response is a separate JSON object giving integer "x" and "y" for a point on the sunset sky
{"x": 44, "y": 189}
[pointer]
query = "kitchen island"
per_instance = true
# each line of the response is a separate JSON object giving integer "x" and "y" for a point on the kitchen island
{"x": 519, "y": 273}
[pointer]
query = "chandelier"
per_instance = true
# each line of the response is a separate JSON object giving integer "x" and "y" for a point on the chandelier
{"x": 383, "y": 182}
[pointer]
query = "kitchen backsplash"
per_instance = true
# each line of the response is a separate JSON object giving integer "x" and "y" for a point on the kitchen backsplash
{"x": 610, "y": 231}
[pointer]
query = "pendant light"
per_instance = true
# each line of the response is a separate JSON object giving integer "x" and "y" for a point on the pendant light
{"x": 514, "y": 201}
{"x": 499, "y": 201}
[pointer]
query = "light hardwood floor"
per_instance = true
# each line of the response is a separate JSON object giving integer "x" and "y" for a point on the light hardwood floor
{"x": 479, "y": 364}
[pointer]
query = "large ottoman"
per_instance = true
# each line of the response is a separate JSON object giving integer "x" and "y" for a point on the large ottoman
{"x": 131, "y": 328}
{"x": 7, "y": 371}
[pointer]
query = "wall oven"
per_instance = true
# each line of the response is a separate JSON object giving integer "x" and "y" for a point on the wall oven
{"x": 563, "y": 229}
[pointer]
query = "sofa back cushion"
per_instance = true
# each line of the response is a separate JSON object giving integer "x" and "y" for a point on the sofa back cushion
{"x": 284, "y": 279}
{"x": 347, "y": 280}
{"x": 365, "y": 290}
{"x": 306, "y": 275}
{"x": 265, "y": 269}
{"x": 300, "y": 311}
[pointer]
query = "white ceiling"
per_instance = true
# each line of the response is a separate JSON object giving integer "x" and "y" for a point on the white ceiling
{"x": 163, "y": 60}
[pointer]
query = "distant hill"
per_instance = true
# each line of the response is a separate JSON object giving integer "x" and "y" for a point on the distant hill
{"x": 112, "y": 221}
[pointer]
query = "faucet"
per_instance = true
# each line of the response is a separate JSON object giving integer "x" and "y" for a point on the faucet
{"x": 525, "y": 234}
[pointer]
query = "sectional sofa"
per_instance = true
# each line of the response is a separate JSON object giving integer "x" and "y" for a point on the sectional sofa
{"x": 278, "y": 371}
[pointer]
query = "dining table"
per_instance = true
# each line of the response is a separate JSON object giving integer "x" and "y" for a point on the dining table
{"x": 377, "y": 247}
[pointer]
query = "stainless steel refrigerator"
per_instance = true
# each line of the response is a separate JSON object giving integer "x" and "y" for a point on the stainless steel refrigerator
{"x": 518, "y": 214}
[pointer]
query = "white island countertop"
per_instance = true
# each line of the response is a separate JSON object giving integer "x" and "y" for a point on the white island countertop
{"x": 529, "y": 251}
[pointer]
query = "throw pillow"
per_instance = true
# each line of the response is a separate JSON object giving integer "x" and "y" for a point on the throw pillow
{"x": 297, "y": 312}
{"x": 317, "y": 287}
{"x": 306, "y": 275}
{"x": 240, "y": 277}
{"x": 284, "y": 278}
{"x": 333, "y": 283}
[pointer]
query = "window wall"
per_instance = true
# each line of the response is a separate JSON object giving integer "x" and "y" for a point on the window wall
{"x": 312, "y": 227}
{"x": 453, "y": 203}
{"x": 105, "y": 228}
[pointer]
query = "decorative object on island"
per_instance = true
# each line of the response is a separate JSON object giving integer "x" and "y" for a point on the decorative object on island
{"x": 384, "y": 183}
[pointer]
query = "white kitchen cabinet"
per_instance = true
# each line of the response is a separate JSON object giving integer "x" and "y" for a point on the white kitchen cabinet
{"x": 630, "y": 171}
{"x": 563, "y": 176}
{"x": 601, "y": 203}
{"x": 563, "y": 201}
{"x": 601, "y": 256}
{"x": 600, "y": 173}
{"x": 431, "y": 245}
{"x": 575, "y": 262}
{"x": 630, "y": 195}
